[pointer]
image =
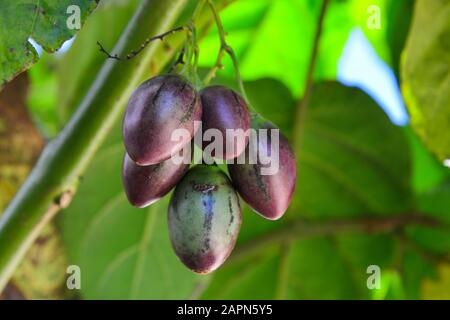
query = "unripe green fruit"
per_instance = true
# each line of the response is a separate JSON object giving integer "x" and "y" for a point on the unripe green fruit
{"x": 204, "y": 218}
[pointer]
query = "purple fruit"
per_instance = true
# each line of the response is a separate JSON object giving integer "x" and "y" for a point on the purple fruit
{"x": 204, "y": 218}
{"x": 225, "y": 109}
{"x": 269, "y": 195}
{"x": 145, "y": 185}
{"x": 157, "y": 108}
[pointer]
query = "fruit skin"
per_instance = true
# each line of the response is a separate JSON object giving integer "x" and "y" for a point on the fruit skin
{"x": 146, "y": 185}
{"x": 155, "y": 109}
{"x": 268, "y": 195}
{"x": 224, "y": 109}
{"x": 204, "y": 218}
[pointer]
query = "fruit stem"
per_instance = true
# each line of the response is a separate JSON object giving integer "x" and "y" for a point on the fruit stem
{"x": 225, "y": 48}
{"x": 192, "y": 49}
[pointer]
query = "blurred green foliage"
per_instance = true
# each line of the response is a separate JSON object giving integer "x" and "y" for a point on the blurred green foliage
{"x": 353, "y": 164}
{"x": 44, "y": 22}
{"x": 426, "y": 87}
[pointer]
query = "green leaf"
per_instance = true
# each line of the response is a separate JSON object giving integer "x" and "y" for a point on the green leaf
{"x": 353, "y": 160}
{"x": 41, "y": 274}
{"x": 416, "y": 269}
{"x": 239, "y": 280}
{"x": 274, "y": 101}
{"x": 426, "y": 74}
{"x": 123, "y": 252}
{"x": 427, "y": 171}
{"x": 84, "y": 59}
{"x": 316, "y": 268}
{"x": 399, "y": 21}
{"x": 436, "y": 203}
{"x": 43, "y": 20}
{"x": 437, "y": 289}
{"x": 42, "y": 94}
{"x": 306, "y": 280}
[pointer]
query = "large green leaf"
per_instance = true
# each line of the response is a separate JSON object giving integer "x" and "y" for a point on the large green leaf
{"x": 427, "y": 170}
{"x": 42, "y": 20}
{"x": 123, "y": 252}
{"x": 437, "y": 289}
{"x": 436, "y": 203}
{"x": 426, "y": 74}
{"x": 316, "y": 268}
{"x": 399, "y": 21}
{"x": 353, "y": 160}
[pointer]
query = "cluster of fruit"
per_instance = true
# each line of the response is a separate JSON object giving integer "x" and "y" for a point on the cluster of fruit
{"x": 204, "y": 212}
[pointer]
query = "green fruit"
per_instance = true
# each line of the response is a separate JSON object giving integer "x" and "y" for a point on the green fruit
{"x": 204, "y": 218}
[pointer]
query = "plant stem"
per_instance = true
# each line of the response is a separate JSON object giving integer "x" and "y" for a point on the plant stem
{"x": 147, "y": 41}
{"x": 301, "y": 229}
{"x": 191, "y": 47}
{"x": 224, "y": 48}
{"x": 303, "y": 103}
{"x": 54, "y": 179}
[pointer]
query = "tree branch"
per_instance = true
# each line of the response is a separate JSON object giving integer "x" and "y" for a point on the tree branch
{"x": 135, "y": 52}
{"x": 54, "y": 179}
{"x": 431, "y": 257}
{"x": 303, "y": 103}
{"x": 301, "y": 229}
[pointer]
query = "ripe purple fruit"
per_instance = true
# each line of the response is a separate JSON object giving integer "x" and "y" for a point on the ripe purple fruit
{"x": 145, "y": 185}
{"x": 268, "y": 195}
{"x": 157, "y": 108}
{"x": 225, "y": 109}
{"x": 204, "y": 218}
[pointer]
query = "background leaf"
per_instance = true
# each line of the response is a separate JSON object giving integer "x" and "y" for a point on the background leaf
{"x": 353, "y": 160}
{"x": 425, "y": 74}
{"x": 346, "y": 164}
{"x": 123, "y": 252}
{"x": 44, "y": 21}
{"x": 42, "y": 272}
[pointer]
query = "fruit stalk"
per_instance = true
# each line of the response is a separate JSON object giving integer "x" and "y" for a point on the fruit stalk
{"x": 225, "y": 48}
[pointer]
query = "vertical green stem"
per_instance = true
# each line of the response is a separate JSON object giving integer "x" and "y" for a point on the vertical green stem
{"x": 225, "y": 48}
{"x": 191, "y": 47}
{"x": 54, "y": 179}
{"x": 303, "y": 104}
